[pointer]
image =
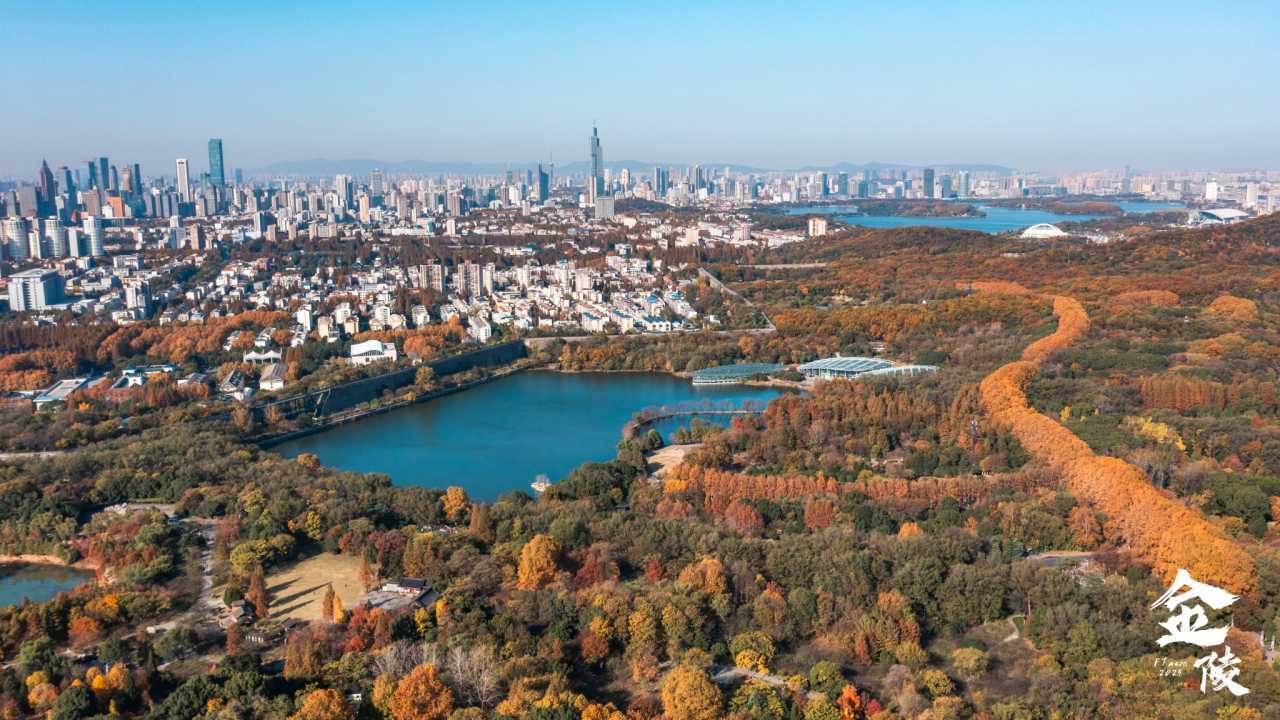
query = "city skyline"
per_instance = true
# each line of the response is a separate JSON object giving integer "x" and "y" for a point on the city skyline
{"x": 761, "y": 86}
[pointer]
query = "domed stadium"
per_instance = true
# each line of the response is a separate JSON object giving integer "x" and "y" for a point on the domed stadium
{"x": 1043, "y": 231}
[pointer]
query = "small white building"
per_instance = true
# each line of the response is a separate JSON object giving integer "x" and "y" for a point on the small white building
{"x": 371, "y": 351}
{"x": 817, "y": 227}
{"x": 272, "y": 377}
{"x": 480, "y": 329}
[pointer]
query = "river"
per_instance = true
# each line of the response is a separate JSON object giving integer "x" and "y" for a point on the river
{"x": 997, "y": 220}
{"x": 37, "y": 583}
{"x": 499, "y": 436}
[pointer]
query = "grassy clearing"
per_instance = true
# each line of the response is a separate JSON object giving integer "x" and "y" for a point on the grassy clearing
{"x": 298, "y": 591}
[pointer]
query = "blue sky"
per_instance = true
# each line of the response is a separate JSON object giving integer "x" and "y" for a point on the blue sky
{"x": 1028, "y": 84}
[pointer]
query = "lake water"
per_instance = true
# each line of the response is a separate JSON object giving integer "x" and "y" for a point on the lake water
{"x": 997, "y": 220}
{"x": 499, "y": 436}
{"x": 37, "y": 583}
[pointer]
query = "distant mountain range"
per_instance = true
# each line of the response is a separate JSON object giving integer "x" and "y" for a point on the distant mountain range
{"x": 363, "y": 166}
{"x": 881, "y": 166}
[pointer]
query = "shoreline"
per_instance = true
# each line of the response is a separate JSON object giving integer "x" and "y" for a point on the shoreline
{"x": 83, "y": 564}
{"x": 271, "y": 441}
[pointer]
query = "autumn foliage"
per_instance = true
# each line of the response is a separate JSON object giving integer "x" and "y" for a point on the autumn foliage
{"x": 177, "y": 343}
{"x": 1155, "y": 526}
{"x": 688, "y": 694}
{"x": 1150, "y": 298}
{"x": 1185, "y": 393}
{"x": 421, "y": 695}
{"x": 1236, "y": 308}
{"x": 424, "y": 341}
{"x": 538, "y": 566}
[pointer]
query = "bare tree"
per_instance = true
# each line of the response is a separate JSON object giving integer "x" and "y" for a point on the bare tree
{"x": 472, "y": 671}
{"x": 398, "y": 658}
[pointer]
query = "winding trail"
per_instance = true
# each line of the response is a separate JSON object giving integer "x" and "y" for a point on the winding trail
{"x": 1155, "y": 526}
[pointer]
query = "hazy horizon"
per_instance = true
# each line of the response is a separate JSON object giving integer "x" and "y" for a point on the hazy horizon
{"x": 1155, "y": 86}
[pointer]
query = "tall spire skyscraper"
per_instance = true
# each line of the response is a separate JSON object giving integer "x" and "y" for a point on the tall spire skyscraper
{"x": 48, "y": 190}
{"x": 595, "y": 184}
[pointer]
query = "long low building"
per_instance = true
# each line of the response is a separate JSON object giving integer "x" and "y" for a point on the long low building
{"x": 730, "y": 374}
{"x": 851, "y": 367}
{"x": 1222, "y": 215}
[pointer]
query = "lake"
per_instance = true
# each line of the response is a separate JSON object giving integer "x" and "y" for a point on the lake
{"x": 998, "y": 219}
{"x": 38, "y": 583}
{"x": 499, "y": 436}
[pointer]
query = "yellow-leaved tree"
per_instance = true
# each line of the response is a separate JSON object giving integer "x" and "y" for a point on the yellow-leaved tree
{"x": 421, "y": 695}
{"x": 688, "y": 694}
{"x": 537, "y": 563}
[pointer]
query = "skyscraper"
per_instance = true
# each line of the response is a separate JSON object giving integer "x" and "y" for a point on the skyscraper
{"x": 15, "y": 232}
{"x": 595, "y": 184}
{"x": 47, "y": 188}
{"x": 376, "y": 183}
{"x": 184, "y": 181}
{"x": 104, "y": 174}
{"x": 93, "y": 228}
{"x": 57, "y": 235}
{"x": 216, "y": 175}
{"x": 661, "y": 181}
{"x": 342, "y": 186}
{"x": 93, "y": 174}
{"x": 928, "y": 182}
{"x": 544, "y": 184}
{"x": 137, "y": 180}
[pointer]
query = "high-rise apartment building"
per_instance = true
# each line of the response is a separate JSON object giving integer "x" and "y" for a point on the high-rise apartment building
{"x": 35, "y": 289}
{"x": 93, "y": 231}
{"x": 16, "y": 243}
{"x": 343, "y": 187}
{"x": 57, "y": 235}
{"x": 137, "y": 295}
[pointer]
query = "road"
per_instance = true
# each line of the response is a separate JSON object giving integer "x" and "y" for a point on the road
{"x": 715, "y": 283}
{"x": 209, "y": 601}
{"x": 37, "y": 455}
{"x": 728, "y": 675}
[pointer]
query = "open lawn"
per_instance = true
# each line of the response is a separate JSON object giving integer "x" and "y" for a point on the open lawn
{"x": 667, "y": 457}
{"x": 298, "y": 591}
